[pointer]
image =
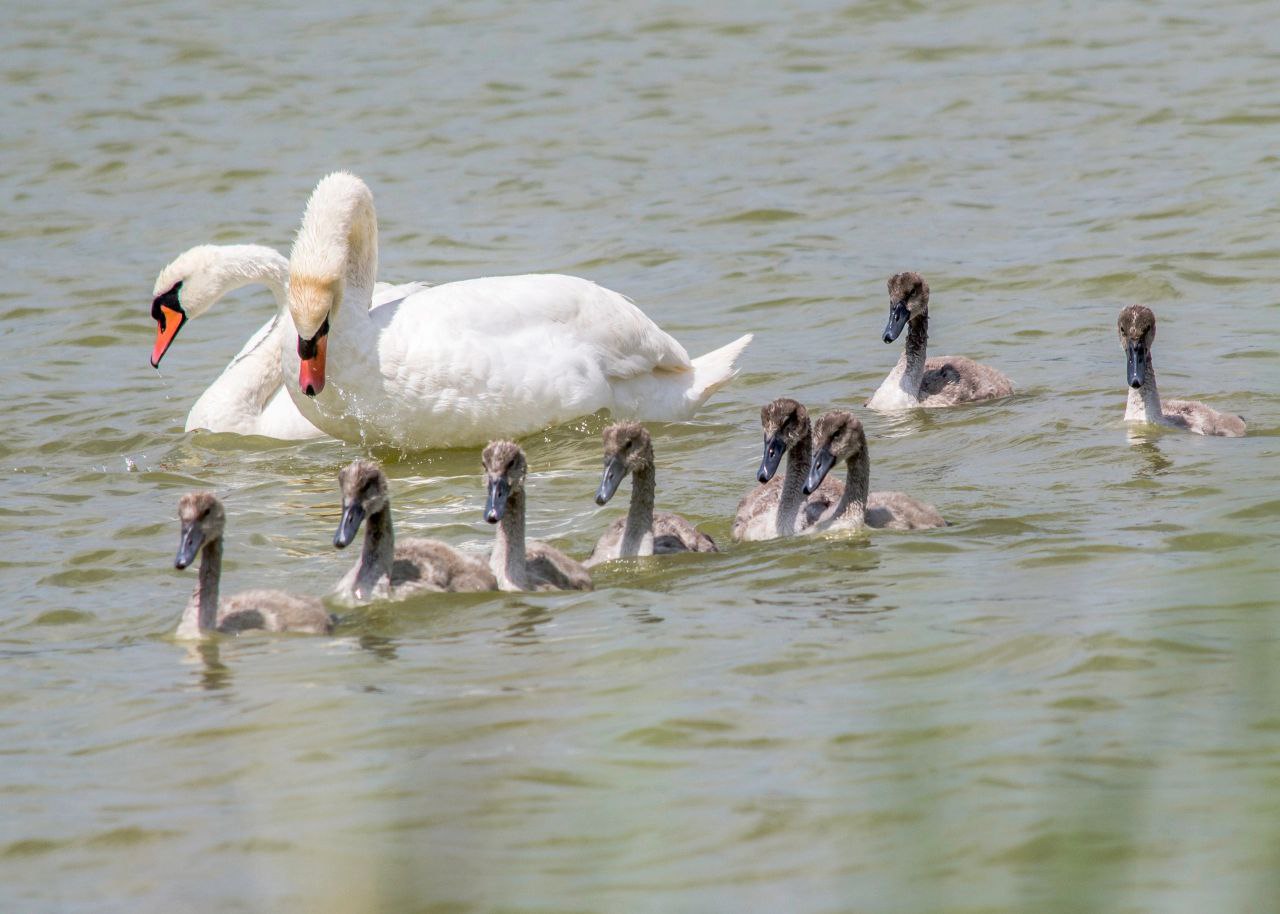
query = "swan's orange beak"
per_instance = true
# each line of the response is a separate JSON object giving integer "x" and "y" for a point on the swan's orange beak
{"x": 168, "y": 322}
{"x": 311, "y": 352}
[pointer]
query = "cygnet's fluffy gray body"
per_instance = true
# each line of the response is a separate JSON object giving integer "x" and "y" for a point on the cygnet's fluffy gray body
{"x": 203, "y": 521}
{"x": 628, "y": 449}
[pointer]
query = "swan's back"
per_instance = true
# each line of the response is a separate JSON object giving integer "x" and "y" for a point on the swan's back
{"x": 1201, "y": 419}
{"x": 899, "y": 511}
{"x": 550, "y": 569}
{"x": 953, "y": 379}
{"x": 431, "y": 565}
{"x": 273, "y": 611}
{"x": 538, "y": 309}
{"x": 671, "y": 534}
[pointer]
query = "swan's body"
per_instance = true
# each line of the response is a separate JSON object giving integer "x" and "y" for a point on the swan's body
{"x": 516, "y": 564}
{"x": 464, "y": 362}
{"x": 628, "y": 448}
{"x": 921, "y": 381}
{"x": 203, "y": 521}
{"x": 248, "y": 398}
{"x": 838, "y": 435}
{"x": 779, "y": 506}
{"x": 388, "y": 569}
{"x": 1137, "y": 326}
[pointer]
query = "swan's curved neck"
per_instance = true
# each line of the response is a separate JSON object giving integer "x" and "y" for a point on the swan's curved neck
{"x": 792, "y": 497}
{"x": 377, "y": 554}
{"x": 201, "y": 614}
{"x": 360, "y": 271}
{"x": 1144, "y": 402}
{"x": 335, "y": 254}
{"x": 639, "y": 525}
{"x": 508, "y": 559}
{"x": 239, "y": 265}
{"x": 852, "y": 508}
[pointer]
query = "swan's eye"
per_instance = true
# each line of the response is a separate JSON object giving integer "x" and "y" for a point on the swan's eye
{"x": 167, "y": 300}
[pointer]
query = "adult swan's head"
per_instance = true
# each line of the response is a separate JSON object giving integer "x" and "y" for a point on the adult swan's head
{"x": 335, "y": 257}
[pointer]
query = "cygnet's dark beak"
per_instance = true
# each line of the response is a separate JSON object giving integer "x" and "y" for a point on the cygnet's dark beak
{"x": 898, "y": 315}
{"x": 614, "y": 471}
{"x": 1137, "y": 363}
{"x": 352, "y": 518}
{"x": 496, "y": 504}
{"x": 819, "y": 467}
{"x": 774, "y": 448}
{"x": 189, "y": 543}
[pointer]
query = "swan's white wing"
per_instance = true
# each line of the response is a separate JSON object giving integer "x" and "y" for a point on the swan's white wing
{"x": 542, "y": 318}
{"x": 386, "y": 293}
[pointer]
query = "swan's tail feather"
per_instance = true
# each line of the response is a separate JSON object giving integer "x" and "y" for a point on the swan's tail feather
{"x": 714, "y": 370}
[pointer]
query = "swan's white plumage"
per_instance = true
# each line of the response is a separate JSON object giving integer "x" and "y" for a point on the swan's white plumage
{"x": 469, "y": 361}
{"x": 248, "y": 398}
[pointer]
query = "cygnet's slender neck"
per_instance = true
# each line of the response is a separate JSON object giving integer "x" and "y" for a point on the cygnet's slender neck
{"x": 793, "y": 496}
{"x": 914, "y": 355}
{"x": 201, "y": 614}
{"x": 508, "y": 559}
{"x": 639, "y": 522}
{"x": 377, "y": 553}
{"x": 851, "y": 510}
{"x": 1144, "y": 401}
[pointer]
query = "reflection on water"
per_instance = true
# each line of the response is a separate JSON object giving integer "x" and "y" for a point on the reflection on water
{"x": 525, "y": 630}
{"x": 1066, "y": 700}
{"x": 213, "y": 673}
{"x": 380, "y": 647}
{"x": 1145, "y": 445}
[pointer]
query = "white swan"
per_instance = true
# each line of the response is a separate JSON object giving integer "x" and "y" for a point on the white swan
{"x": 466, "y": 362}
{"x": 248, "y": 398}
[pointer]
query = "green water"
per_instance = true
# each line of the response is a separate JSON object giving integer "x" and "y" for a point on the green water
{"x": 1065, "y": 701}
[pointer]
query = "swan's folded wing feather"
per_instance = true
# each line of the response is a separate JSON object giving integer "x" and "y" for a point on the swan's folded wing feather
{"x": 539, "y": 308}
{"x": 385, "y": 293}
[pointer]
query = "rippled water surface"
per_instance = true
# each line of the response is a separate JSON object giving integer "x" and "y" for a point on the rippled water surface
{"x": 1067, "y": 700}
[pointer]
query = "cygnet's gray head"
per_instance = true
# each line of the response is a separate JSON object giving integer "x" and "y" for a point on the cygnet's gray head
{"x": 364, "y": 493}
{"x": 908, "y": 298}
{"x": 505, "y": 468}
{"x": 628, "y": 448}
{"x": 1137, "y": 325}
{"x": 837, "y": 435}
{"x": 786, "y": 423}
{"x": 203, "y": 521}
